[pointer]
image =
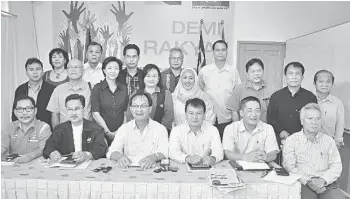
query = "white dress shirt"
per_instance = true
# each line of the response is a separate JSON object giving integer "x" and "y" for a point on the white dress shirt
{"x": 77, "y": 137}
{"x": 93, "y": 76}
{"x": 312, "y": 159}
{"x": 184, "y": 142}
{"x": 132, "y": 143}
{"x": 237, "y": 138}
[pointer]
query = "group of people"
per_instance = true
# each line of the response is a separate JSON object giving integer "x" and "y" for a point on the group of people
{"x": 96, "y": 110}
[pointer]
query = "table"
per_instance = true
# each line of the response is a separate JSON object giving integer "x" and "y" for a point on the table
{"x": 34, "y": 180}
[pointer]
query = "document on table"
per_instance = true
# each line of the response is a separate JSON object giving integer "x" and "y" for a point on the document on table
{"x": 135, "y": 161}
{"x": 253, "y": 165}
{"x": 288, "y": 180}
{"x": 7, "y": 163}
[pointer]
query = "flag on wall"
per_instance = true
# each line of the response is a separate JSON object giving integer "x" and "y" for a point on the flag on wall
{"x": 201, "y": 54}
{"x": 87, "y": 42}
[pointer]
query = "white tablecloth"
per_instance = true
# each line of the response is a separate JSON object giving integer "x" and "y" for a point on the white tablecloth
{"x": 34, "y": 180}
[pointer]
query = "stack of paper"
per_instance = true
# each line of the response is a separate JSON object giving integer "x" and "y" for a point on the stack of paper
{"x": 225, "y": 181}
{"x": 62, "y": 164}
{"x": 253, "y": 165}
{"x": 288, "y": 180}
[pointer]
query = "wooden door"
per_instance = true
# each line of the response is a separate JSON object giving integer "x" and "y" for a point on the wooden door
{"x": 271, "y": 53}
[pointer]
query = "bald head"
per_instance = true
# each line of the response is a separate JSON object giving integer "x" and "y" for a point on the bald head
{"x": 75, "y": 69}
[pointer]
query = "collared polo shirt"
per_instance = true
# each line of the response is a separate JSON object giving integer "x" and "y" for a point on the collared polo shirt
{"x": 184, "y": 142}
{"x": 169, "y": 80}
{"x": 237, "y": 138}
{"x": 61, "y": 92}
{"x": 219, "y": 85}
{"x": 332, "y": 110}
{"x": 15, "y": 140}
{"x": 111, "y": 106}
{"x": 319, "y": 158}
{"x": 247, "y": 89}
{"x": 33, "y": 92}
{"x": 131, "y": 142}
{"x": 283, "y": 112}
{"x": 91, "y": 75}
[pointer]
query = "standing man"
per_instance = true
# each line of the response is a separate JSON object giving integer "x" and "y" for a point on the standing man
{"x": 131, "y": 76}
{"x": 332, "y": 109}
{"x": 285, "y": 104}
{"x": 93, "y": 68}
{"x": 76, "y": 85}
{"x": 36, "y": 88}
{"x": 218, "y": 80}
{"x": 255, "y": 86}
{"x": 171, "y": 76}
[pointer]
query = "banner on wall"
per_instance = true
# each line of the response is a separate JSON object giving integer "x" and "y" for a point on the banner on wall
{"x": 155, "y": 27}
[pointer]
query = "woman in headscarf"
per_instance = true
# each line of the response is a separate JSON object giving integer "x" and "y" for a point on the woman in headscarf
{"x": 186, "y": 89}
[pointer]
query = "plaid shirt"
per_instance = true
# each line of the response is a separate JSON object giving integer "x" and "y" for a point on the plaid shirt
{"x": 132, "y": 82}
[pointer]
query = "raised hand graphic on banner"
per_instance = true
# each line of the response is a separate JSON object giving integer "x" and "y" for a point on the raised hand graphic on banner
{"x": 127, "y": 29}
{"x": 65, "y": 39}
{"x": 80, "y": 47}
{"x": 125, "y": 41}
{"x": 93, "y": 32}
{"x": 106, "y": 36}
{"x": 74, "y": 14}
{"x": 87, "y": 21}
{"x": 120, "y": 15}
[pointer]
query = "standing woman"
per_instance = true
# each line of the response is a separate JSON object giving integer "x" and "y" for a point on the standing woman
{"x": 162, "y": 102}
{"x": 58, "y": 60}
{"x": 109, "y": 99}
{"x": 186, "y": 89}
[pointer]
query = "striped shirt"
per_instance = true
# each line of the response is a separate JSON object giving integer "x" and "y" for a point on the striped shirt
{"x": 312, "y": 159}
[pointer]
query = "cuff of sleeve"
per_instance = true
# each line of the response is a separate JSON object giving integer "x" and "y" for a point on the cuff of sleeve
{"x": 304, "y": 180}
{"x": 327, "y": 179}
{"x": 108, "y": 155}
{"x": 183, "y": 157}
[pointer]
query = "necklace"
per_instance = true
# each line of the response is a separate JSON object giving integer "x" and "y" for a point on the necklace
{"x": 58, "y": 75}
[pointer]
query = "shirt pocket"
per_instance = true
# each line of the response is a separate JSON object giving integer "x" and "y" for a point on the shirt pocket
{"x": 33, "y": 144}
{"x": 329, "y": 118}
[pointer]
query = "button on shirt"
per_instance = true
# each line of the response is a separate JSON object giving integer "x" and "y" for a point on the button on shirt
{"x": 283, "y": 112}
{"x": 318, "y": 158}
{"x": 61, "y": 92}
{"x": 91, "y": 75}
{"x": 332, "y": 110}
{"x": 77, "y": 137}
{"x": 111, "y": 106}
{"x": 219, "y": 84}
{"x": 133, "y": 143}
{"x": 34, "y": 91}
{"x": 184, "y": 142}
{"x": 169, "y": 80}
{"x": 247, "y": 89}
{"x": 15, "y": 140}
{"x": 236, "y": 138}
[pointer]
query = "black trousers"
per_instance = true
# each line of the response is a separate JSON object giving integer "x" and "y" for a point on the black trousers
{"x": 221, "y": 127}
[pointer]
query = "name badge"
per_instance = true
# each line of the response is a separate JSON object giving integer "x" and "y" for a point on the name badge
{"x": 14, "y": 137}
{"x": 33, "y": 139}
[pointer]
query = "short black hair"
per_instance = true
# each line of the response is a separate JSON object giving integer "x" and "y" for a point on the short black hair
{"x": 195, "y": 102}
{"x": 145, "y": 70}
{"x": 76, "y": 97}
{"x": 59, "y": 51}
{"x": 220, "y": 41}
{"x": 252, "y": 62}
{"x": 32, "y": 61}
{"x": 96, "y": 44}
{"x": 111, "y": 59}
{"x": 23, "y": 97}
{"x": 245, "y": 100}
{"x": 295, "y": 65}
{"x": 323, "y": 71}
{"x": 131, "y": 46}
{"x": 141, "y": 93}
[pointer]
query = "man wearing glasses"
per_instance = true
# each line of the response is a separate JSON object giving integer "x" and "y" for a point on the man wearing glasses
{"x": 171, "y": 76}
{"x": 88, "y": 137}
{"x": 26, "y": 136}
{"x": 142, "y": 141}
{"x": 76, "y": 85}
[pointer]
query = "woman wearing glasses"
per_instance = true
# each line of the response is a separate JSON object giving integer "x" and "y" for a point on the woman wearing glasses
{"x": 59, "y": 61}
{"x": 109, "y": 99}
{"x": 162, "y": 102}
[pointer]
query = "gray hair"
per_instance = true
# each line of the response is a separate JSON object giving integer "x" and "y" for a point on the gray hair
{"x": 176, "y": 49}
{"x": 309, "y": 106}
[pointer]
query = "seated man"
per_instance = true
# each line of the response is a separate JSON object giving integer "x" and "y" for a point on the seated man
{"x": 141, "y": 141}
{"x": 88, "y": 138}
{"x": 314, "y": 156}
{"x": 250, "y": 139}
{"x": 26, "y": 136}
{"x": 196, "y": 141}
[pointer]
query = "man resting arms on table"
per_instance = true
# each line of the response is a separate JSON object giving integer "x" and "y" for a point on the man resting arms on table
{"x": 250, "y": 139}
{"x": 142, "y": 141}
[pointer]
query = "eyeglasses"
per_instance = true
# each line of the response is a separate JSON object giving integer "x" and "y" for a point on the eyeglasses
{"x": 176, "y": 58}
{"x": 74, "y": 67}
{"x": 21, "y": 109}
{"x": 75, "y": 109}
{"x": 143, "y": 106}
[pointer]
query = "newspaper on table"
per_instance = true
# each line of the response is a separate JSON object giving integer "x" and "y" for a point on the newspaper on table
{"x": 225, "y": 181}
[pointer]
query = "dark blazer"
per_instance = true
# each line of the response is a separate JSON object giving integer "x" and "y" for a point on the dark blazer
{"x": 41, "y": 102}
{"x": 62, "y": 140}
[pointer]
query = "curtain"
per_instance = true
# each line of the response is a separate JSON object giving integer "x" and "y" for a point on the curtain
{"x": 9, "y": 66}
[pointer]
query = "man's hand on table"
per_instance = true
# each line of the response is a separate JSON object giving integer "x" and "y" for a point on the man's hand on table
{"x": 22, "y": 159}
{"x": 253, "y": 156}
{"x": 80, "y": 156}
{"x": 148, "y": 161}
{"x": 261, "y": 156}
{"x": 124, "y": 162}
{"x": 209, "y": 160}
{"x": 55, "y": 156}
{"x": 194, "y": 159}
